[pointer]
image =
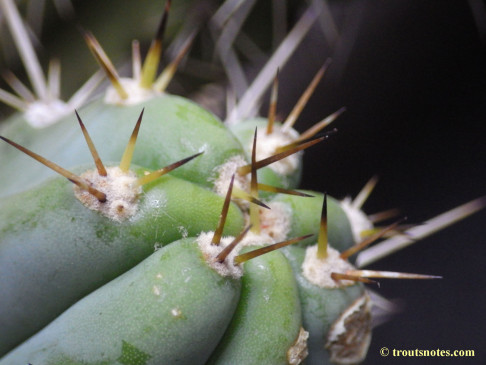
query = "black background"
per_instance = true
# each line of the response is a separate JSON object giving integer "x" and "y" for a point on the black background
{"x": 414, "y": 88}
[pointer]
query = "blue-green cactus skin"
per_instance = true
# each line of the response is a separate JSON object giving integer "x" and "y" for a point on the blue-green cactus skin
{"x": 172, "y": 128}
{"x": 78, "y": 288}
{"x": 321, "y": 307}
{"x": 54, "y": 250}
{"x": 245, "y": 131}
{"x": 170, "y": 309}
{"x": 305, "y": 217}
{"x": 268, "y": 318}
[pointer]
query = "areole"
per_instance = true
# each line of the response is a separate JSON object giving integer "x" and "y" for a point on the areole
{"x": 192, "y": 244}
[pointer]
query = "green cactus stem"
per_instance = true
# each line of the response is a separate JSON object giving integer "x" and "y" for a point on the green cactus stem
{"x": 41, "y": 236}
{"x": 171, "y": 308}
{"x": 190, "y": 243}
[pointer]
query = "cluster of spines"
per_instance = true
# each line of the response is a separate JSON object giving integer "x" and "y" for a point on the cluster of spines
{"x": 146, "y": 76}
{"x": 44, "y": 93}
{"x": 124, "y": 163}
{"x": 239, "y": 259}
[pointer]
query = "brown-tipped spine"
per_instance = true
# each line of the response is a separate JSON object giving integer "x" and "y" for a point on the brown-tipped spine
{"x": 156, "y": 174}
{"x": 390, "y": 275}
{"x": 227, "y": 250}
{"x": 339, "y": 276}
{"x": 254, "y": 211}
{"x": 128, "y": 154}
{"x": 243, "y": 170}
{"x": 105, "y": 63}
{"x": 275, "y": 189}
{"x": 63, "y": 172}
{"x": 261, "y": 251}
{"x": 366, "y": 242}
{"x": 365, "y": 192}
{"x": 151, "y": 64}
{"x": 224, "y": 212}
{"x": 322, "y": 239}
{"x": 96, "y": 157}
{"x": 294, "y": 114}
{"x": 168, "y": 73}
{"x": 241, "y": 194}
{"x": 316, "y": 128}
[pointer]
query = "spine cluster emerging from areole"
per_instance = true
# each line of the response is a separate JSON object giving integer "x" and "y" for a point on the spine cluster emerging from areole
{"x": 239, "y": 249}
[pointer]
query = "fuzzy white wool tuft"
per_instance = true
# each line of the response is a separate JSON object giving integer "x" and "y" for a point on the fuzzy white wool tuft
{"x": 224, "y": 173}
{"x": 120, "y": 189}
{"x": 267, "y": 145}
{"x": 275, "y": 222}
{"x": 357, "y": 218}
{"x": 318, "y": 271}
{"x": 210, "y": 251}
{"x": 136, "y": 93}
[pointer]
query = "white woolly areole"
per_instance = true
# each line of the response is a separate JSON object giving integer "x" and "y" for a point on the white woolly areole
{"x": 357, "y": 218}
{"x": 253, "y": 239}
{"x": 318, "y": 271}
{"x": 267, "y": 145}
{"x": 349, "y": 337}
{"x": 210, "y": 251}
{"x": 136, "y": 93}
{"x": 227, "y": 267}
{"x": 224, "y": 173}
{"x": 40, "y": 114}
{"x": 298, "y": 351}
{"x": 120, "y": 189}
{"x": 275, "y": 222}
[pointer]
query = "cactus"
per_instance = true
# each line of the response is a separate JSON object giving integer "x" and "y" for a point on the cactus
{"x": 130, "y": 266}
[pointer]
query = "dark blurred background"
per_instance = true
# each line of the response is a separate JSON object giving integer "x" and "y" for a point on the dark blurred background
{"x": 412, "y": 75}
{"x": 414, "y": 85}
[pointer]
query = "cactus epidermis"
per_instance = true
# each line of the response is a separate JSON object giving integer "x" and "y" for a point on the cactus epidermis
{"x": 46, "y": 225}
{"x": 79, "y": 271}
{"x": 102, "y": 255}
